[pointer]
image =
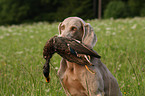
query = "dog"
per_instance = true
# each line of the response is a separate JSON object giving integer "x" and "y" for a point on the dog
{"x": 75, "y": 79}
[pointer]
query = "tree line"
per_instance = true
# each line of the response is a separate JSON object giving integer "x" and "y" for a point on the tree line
{"x": 19, "y": 11}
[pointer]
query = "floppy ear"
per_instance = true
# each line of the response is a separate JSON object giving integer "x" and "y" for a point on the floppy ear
{"x": 59, "y": 28}
{"x": 89, "y": 37}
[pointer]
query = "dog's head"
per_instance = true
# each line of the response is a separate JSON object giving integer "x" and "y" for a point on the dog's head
{"x": 74, "y": 27}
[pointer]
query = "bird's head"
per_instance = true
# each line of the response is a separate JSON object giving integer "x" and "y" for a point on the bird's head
{"x": 48, "y": 51}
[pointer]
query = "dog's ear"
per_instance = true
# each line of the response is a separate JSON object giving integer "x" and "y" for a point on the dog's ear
{"x": 59, "y": 28}
{"x": 89, "y": 37}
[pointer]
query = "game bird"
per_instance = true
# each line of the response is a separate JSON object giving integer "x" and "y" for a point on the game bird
{"x": 68, "y": 48}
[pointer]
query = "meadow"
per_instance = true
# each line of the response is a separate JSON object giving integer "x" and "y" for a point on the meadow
{"x": 121, "y": 43}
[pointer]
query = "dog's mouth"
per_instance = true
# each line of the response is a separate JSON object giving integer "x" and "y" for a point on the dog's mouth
{"x": 72, "y": 35}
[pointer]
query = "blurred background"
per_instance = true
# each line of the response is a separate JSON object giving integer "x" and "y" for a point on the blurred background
{"x": 20, "y": 11}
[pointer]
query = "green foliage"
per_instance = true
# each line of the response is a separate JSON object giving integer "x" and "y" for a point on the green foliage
{"x": 16, "y": 11}
{"x": 142, "y": 12}
{"x": 135, "y": 6}
{"x": 121, "y": 44}
{"x": 116, "y": 9}
{"x": 12, "y": 12}
{"x": 19, "y": 11}
{"x": 84, "y": 9}
{"x": 81, "y": 8}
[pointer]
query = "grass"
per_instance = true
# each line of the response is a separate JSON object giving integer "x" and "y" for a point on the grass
{"x": 121, "y": 43}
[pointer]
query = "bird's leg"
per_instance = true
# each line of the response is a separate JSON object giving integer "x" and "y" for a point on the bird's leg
{"x": 88, "y": 60}
{"x": 91, "y": 71}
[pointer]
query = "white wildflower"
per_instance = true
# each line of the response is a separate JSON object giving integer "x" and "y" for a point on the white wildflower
{"x": 25, "y": 30}
{"x": 98, "y": 29}
{"x": 7, "y": 34}
{"x": 134, "y": 26}
{"x": 133, "y": 78}
{"x": 108, "y": 28}
{"x": 19, "y": 52}
{"x": 119, "y": 65}
{"x": 56, "y": 68}
{"x": 47, "y": 90}
{"x": 10, "y": 30}
{"x": 14, "y": 34}
{"x": 1, "y": 37}
{"x": 113, "y": 33}
{"x": 31, "y": 36}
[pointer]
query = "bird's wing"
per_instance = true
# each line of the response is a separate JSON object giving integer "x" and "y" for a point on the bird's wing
{"x": 83, "y": 49}
{"x": 77, "y": 46}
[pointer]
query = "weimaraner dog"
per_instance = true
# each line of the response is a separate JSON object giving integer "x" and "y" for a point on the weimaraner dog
{"x": 76, "y": 79}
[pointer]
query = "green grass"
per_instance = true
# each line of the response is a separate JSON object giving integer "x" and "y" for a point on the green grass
{"x": 121, "y": 43}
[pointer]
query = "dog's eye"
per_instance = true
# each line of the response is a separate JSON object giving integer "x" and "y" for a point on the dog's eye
{"x": 73, "y": 28}
{"x": 62, "y": 27}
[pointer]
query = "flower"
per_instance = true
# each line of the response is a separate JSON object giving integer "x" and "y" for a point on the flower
{"x": 108, "y": 28}
{"x": 1, "y": 37}
{"x": 56, "y": 68}
{"x": 124, "y": 92}
{"x": 31, "y": 36}
{"x": 19, "y": 52}
{"x": 47, "y": 90}
{"x": 113, "y": 33}
{"x": 134, "y": 26}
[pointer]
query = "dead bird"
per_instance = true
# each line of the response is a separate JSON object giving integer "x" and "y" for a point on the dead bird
{"x": 68, "y": 48}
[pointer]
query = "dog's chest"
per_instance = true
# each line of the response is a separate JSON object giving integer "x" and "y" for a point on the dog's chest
{"x": 72, "y": 79}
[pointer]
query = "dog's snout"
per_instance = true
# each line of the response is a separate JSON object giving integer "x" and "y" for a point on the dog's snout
{"x": 68, "y": 35}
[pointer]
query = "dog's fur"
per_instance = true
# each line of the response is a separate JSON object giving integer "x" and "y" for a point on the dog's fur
{"x": 75, "y": 79}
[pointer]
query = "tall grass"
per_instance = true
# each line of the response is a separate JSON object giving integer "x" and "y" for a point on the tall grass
{"x": 121, "y": 43}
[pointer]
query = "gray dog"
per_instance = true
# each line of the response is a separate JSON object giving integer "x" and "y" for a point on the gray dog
{"x": 75, "y": 79}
